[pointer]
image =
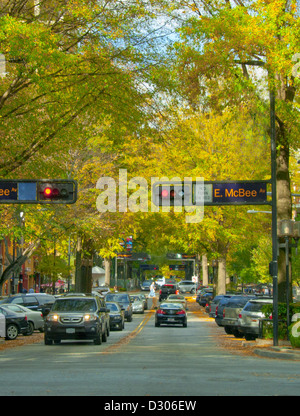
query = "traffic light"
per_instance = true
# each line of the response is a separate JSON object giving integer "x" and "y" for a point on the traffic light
{"x": 172, "y": 195}
{"x": 169, "y": 193}
{"x": 58, "y": 191}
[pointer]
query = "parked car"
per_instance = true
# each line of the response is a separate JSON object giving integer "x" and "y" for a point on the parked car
{"x": 138, "y": 305}
{"x": 34, "y": 301}
{"x": 35, "y": 319}
{"x": 166, "y": 290}
{"x": 102, "y": 290}
{"x": 177, "y": 299}
{"x": 187, "y": 286}
{"x": 214, "y": 303}
{"x": 146, "y": 285}
{"x": 170, "y": 314}
{"x": 124, "y": 300}
{"x": 78, "y": 317}
{"x": 249, "y": 317}
{"x": 231, "y": 314}
{"x": 116, "y": 315}
{"x": 219, "y": 310}
{"x": 15, "y": 323}
{"x": 204, "y": 297}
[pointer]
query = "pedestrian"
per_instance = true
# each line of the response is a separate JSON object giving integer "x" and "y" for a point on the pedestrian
{"x": 152, "y": 295}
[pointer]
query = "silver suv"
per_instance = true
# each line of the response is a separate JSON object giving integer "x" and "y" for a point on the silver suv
{"x": 249, "y": 317}
{"x": 187, "y": 286}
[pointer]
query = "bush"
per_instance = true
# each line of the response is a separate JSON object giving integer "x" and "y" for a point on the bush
{"x": 294, "y": 334}
{"x": 282, "y": 330}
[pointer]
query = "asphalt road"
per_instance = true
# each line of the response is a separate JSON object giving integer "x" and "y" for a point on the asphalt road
{"x": 171, "y": 363}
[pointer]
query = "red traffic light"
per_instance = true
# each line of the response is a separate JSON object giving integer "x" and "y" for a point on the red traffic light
{"x": 164, "y": 193}
{"x": 57, "y": 191}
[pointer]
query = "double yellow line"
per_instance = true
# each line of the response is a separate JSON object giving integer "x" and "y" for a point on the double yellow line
{"x": 138, "y": 329}
{"x": 123, "y": 341}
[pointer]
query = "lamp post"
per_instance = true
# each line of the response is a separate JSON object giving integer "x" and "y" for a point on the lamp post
{"x": 288, "y": 229}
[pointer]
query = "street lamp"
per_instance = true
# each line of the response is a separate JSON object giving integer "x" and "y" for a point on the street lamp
{"x": 288, "y": 229}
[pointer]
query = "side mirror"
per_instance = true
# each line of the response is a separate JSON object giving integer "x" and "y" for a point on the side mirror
{"x": 102, "y": 310}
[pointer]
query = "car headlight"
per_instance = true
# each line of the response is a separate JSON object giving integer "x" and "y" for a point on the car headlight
{"x": 52, "y": 318}
{"x": 89, "y": 317}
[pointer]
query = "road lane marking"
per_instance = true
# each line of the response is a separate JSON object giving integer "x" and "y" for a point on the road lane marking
{"x": 123, "y": 341}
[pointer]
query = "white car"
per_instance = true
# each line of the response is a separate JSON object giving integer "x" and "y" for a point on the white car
{"x": 35, "y": 319}
{"x": 160, "y": 281}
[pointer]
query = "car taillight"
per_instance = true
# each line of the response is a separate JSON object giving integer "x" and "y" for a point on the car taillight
{"x": 177, "y": 292}
{"x": 25, "y": 317}
{"x": 223, "y": 313}
{"x": 160, "y": 292}
{"x": 161, "y": 311}
{"x": 240, "y": 315}
{"x": 180, "y": 313}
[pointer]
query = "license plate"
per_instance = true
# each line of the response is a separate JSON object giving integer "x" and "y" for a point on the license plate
{"x": 171, "y": 320}
{"x": 70, "y": 330}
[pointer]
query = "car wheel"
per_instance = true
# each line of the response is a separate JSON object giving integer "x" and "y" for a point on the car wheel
{"x": 11, "y": 332}
{"x": 30, "y": 328}
{"x": 47, "y": 341}
{"x": 184, "y": 324}
{"x": 107, "y": 331}
{"x": 237, "y": 334}
{"x": 129, "y": 319}
{"x": 249, "y": 337}
{"x": 157, "y": 324}
{"x": 98, "y": 339}
{"x": 57, "y": 341}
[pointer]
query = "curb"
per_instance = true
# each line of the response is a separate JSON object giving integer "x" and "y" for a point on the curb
{"x": 282, "y": 353}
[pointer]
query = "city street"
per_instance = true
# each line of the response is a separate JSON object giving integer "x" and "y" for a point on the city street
{"x": 143, "y": 360}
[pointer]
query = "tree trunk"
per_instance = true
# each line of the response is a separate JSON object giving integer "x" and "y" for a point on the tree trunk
{"x": 204, "y": 271}
{"x": 221, "y": 283}
{"x": 107, "y": 271}
{"x": 284, "y": 199}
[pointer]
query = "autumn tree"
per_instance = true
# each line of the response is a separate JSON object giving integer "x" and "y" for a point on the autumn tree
{"x": 231, "y": 53}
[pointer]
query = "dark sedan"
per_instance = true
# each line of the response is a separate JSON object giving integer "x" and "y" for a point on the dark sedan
{"x": 116, "y": 315}
{"x": 170, "y": 314}
{"x": 16, "y": 323}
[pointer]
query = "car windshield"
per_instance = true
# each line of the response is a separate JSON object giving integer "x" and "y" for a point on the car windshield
{"x": 114, "y": 307}
{"x": 117, "y": 297}
{"x": 135, "y": 299}
{"x": 253, "y": 306}
{"x": 75, "y": 305}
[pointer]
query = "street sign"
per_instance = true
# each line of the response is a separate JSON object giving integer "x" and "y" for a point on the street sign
{"x": 230, "y": 193}
{"x": 38, "y": 191}
{"x": 200, "y": 193}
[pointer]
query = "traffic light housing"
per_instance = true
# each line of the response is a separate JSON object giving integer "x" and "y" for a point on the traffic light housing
{"x": 172, "y": 193}
{"x": 56, "y": 191}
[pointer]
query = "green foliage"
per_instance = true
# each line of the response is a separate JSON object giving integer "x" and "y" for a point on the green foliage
{"x": 294, "y": 334}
